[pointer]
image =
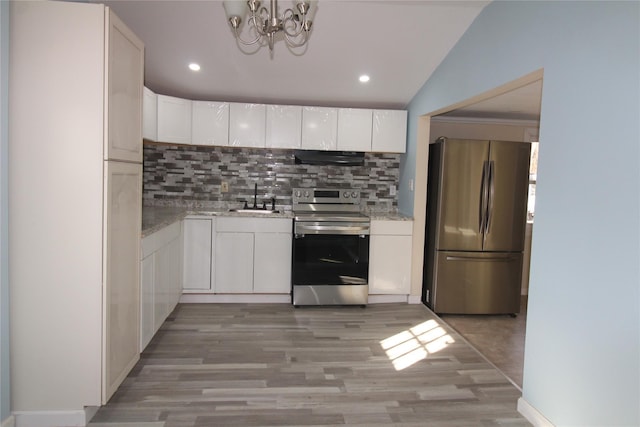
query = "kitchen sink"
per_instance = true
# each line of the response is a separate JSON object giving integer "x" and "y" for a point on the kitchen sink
{"x": 258, "y": 211}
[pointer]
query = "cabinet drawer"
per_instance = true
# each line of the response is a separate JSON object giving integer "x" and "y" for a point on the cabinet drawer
{"x": 254, "y": 225}
{"x": 390, "y": 227}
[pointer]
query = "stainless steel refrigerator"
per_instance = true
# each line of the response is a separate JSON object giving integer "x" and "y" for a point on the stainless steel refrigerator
{"x": 476, "y": 217}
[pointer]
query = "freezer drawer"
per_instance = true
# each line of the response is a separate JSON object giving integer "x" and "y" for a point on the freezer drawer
{"x": 477, "y": 283}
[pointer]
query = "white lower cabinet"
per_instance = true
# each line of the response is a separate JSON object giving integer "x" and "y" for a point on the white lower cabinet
{"x": 234, "y": 255}
{"x": 253, "y": 255}
{"x": 390, "y": 257}
{"x": 198, "y": 253}
{"x": 272, "y": 263}
{"x": 161, "y": 279}
{"x": 147, "y": 311}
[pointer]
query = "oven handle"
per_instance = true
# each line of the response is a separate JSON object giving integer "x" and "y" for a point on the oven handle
{"x": 301, "y": 230}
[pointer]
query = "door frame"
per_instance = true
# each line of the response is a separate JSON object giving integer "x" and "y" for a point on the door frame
{"x": 422, "y": 161}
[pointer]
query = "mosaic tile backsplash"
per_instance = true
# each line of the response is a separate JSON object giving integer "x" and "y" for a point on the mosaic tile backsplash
{"x": 193, "y": 176}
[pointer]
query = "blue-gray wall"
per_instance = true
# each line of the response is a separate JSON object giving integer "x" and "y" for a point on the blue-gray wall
{"x": 5, "y": 401}
{"x": 582, "y": 352}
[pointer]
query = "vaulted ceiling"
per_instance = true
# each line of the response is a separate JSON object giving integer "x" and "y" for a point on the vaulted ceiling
{"x": 397, "y": 43}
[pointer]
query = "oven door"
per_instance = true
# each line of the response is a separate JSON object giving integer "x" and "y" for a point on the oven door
{"x": 330, "y": 267}
{"x": 330, "y": 259}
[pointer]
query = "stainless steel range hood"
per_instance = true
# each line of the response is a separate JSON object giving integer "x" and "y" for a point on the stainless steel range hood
{"x": 335, "y": 158}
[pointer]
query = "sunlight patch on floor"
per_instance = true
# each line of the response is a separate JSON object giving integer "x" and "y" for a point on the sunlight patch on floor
{"x": 415, "y": 344}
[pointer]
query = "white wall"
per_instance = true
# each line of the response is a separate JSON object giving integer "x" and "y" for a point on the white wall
{"x": 5, "y": 408}
{"x": 582, "y": 351}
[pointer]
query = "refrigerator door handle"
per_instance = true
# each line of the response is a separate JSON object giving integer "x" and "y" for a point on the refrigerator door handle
{"x": 478, "y": 259}
{"x": 484, "y": 190}
{"x": 490, "y": 198}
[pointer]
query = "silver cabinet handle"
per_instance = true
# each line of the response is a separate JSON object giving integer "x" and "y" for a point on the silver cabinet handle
{"x": 331, "y": 229}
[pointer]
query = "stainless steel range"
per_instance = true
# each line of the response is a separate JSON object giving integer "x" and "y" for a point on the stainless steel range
{"x": 330, "y": 248}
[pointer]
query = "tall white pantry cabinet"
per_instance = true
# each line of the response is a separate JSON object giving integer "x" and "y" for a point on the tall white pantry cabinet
{"x": 75, "y": 153}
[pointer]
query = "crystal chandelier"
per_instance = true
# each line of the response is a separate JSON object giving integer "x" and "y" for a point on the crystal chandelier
{"x": 264, "y": 24}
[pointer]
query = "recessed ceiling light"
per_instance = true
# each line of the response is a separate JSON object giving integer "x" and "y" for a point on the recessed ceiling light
{"x": 364, "y": 78}
{"x": 194, "y": 67}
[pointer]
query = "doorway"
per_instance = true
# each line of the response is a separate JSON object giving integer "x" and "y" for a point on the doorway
{"x": 512, "y": 114}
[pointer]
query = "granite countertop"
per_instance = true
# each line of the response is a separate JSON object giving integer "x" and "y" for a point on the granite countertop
{"x": 392, "y": 216}
{"x": 155, "y": 218}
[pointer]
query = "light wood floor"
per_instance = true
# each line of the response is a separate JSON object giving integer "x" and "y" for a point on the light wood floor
{"x": 273, "y": 365}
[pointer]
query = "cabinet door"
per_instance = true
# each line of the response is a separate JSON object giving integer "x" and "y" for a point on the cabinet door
{"x": 197, "y": 253}
{"x": 319, "y": 128}
{"x": 167, "y": 279}
{"x": 354, "y": 129}
{"x": 390, "y": 265}
{"x": 247, "y": 125}
{"x": 389, "y": 131}
{"x": 234, "y": 263}
{"x": 210, "y": 123}
{"x": 121, "y": 303}
{"x": 147, "y": 323}
{"x": 272, "y": 263}
{"x": 174, "y": 120}
{"x": 124, "y": 93}
{"x": 284, "y": 126}
{"x": 149, "y": 115}
{"x": 175, "y": 255}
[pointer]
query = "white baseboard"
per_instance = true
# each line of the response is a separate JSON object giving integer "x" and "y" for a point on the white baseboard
{"x": 193, "y": 298}
{"x": 415, "y": 299}
{"x": 235, "y": 298}
{"x": 532, "y": 414}
{"x": 10, "y": 421}
{"x": 386, "y": 299}
{"x": 50, "y": 418}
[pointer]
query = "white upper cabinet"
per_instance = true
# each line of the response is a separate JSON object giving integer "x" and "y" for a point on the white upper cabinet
{"x": 319, "y": 128}
{"x": 124, "y": 101}
{"x": 174, "y": 119}
{"x": 149, "y": 114}
{"x": 247, "y": 125}
{"x": 284, "y": 126}
{"x": 354, "y": 129}
{"x": 210, "y": 123}
{"x": 389, "y": 131}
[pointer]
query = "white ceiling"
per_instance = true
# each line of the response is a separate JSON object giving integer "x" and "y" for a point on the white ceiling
{"x": 522, "y": 103}
{"x": 398, "y": 43}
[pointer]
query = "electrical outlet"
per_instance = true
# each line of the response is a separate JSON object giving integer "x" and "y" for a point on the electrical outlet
{"x": 392, "y": 190}
{"x": 224, "y": 187}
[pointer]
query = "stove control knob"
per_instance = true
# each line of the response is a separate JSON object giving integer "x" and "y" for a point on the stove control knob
{"x": 346, "y": 194}
{"x": 306, "y": 194}
{"x": 354, "y": 195}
